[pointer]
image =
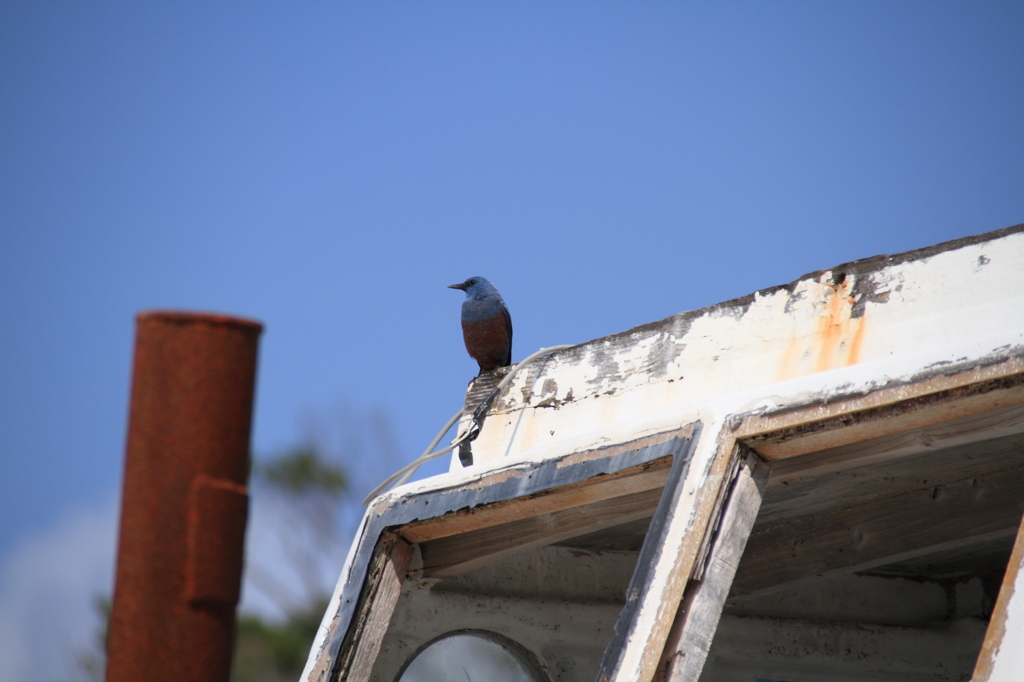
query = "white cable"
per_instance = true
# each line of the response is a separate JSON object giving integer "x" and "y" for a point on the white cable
{"x": 410, "y": 468}
{"x": 406, "y": 472}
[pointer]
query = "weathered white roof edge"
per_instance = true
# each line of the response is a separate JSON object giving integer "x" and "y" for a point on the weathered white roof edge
{"x": 840, "y": 332}
{"x": 854, "y": 328}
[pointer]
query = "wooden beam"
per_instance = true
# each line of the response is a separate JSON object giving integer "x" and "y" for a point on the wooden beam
{"x": 861, "y": 485}
{"x": 990, "y": 425}
{"x": 883, "y": 531}
{"x": 996, "y": 635}
{"x": 463, "y": 552}
{"x": 810, "y": 428}
{"x": 697, "y": 619}
{"x": 381, "y": 589}
{"x": 666, "y": 601}
{"x": 645, "y": 477}
{"x": 685, "y": 516}
{"x": 525, "y": 480}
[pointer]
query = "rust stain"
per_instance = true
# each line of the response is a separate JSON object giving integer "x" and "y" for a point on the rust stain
{"x": 836, "y": 341}
{"x": 831, "y": 344}
{"x": 853, "y": 353}
{"x": 790, "y": 358}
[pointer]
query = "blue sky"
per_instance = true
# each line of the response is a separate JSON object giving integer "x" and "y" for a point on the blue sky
{"x": 328, "y": 168}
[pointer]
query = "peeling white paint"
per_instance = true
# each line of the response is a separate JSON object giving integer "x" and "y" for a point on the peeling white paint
{"x": 679, "y": 523}
{"x": 323, "y": 632}
{"x": 1009, "y": 657}
{"x": 780, "y": 347}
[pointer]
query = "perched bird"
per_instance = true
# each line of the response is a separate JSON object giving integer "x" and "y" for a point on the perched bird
{"x": 486, "y": 324}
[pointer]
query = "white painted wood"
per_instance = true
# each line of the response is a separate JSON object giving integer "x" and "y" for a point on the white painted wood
{"x": 656, "y": 611}
{"x": 698, "y": 616}
{"x": 845, "y": 332}
{"x": 317, "y": 668}
{"x": 1002, "y": 653}
{"x": 784, "y": 346}
{"x": 808, "y": 341}
{"x": 1009, "y": 659}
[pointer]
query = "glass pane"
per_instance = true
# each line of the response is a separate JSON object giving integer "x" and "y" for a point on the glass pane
{"x": 467, "y": 658}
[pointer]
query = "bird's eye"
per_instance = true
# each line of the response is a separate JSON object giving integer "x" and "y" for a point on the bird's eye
{"x": 472, "y": 282}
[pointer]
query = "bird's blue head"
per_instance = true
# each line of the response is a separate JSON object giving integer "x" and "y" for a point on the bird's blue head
{"x": 477, "y": 288}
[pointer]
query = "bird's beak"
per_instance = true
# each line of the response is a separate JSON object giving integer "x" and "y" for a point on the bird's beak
{"x": 462, "y": 286}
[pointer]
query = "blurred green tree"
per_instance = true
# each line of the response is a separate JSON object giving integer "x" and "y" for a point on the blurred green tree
{"x": 314, "y": 489}
{"x": 275, "y": 651}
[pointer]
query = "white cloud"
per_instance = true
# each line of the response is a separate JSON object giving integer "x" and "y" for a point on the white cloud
{"x": 48, "y": 584}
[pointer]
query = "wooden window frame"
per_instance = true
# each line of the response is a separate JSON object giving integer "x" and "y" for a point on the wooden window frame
{"x": 781, "y": 436}
{"x": 990, "y": 667}
{"x": 710, "y": 499}
{"x": 525, "y": 505}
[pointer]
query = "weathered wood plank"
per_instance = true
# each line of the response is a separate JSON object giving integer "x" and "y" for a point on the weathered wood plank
{"x": 867, "y": 483}
{"x": 651, "y": 555}
{"x": 685, "y": 515}
{"x": 807, "y": 429}
{"x": 680, "y": 566}
{"x": 697, "y": 619}
{"x": 627, "y": 537}
{"x": 701, "y": 560}
{"x": 466, "y": 551}
{"x": 495, "y": 487}
{"x": 381, "y": 589}
{"x": 884, "y": 531}
{"x": 647, "y": 476}
{"x": 995, "y": 636}
{"x": 993, "y": 424}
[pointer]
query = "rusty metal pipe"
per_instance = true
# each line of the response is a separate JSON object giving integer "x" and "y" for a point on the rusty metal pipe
{"x": 184, "y": 502}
